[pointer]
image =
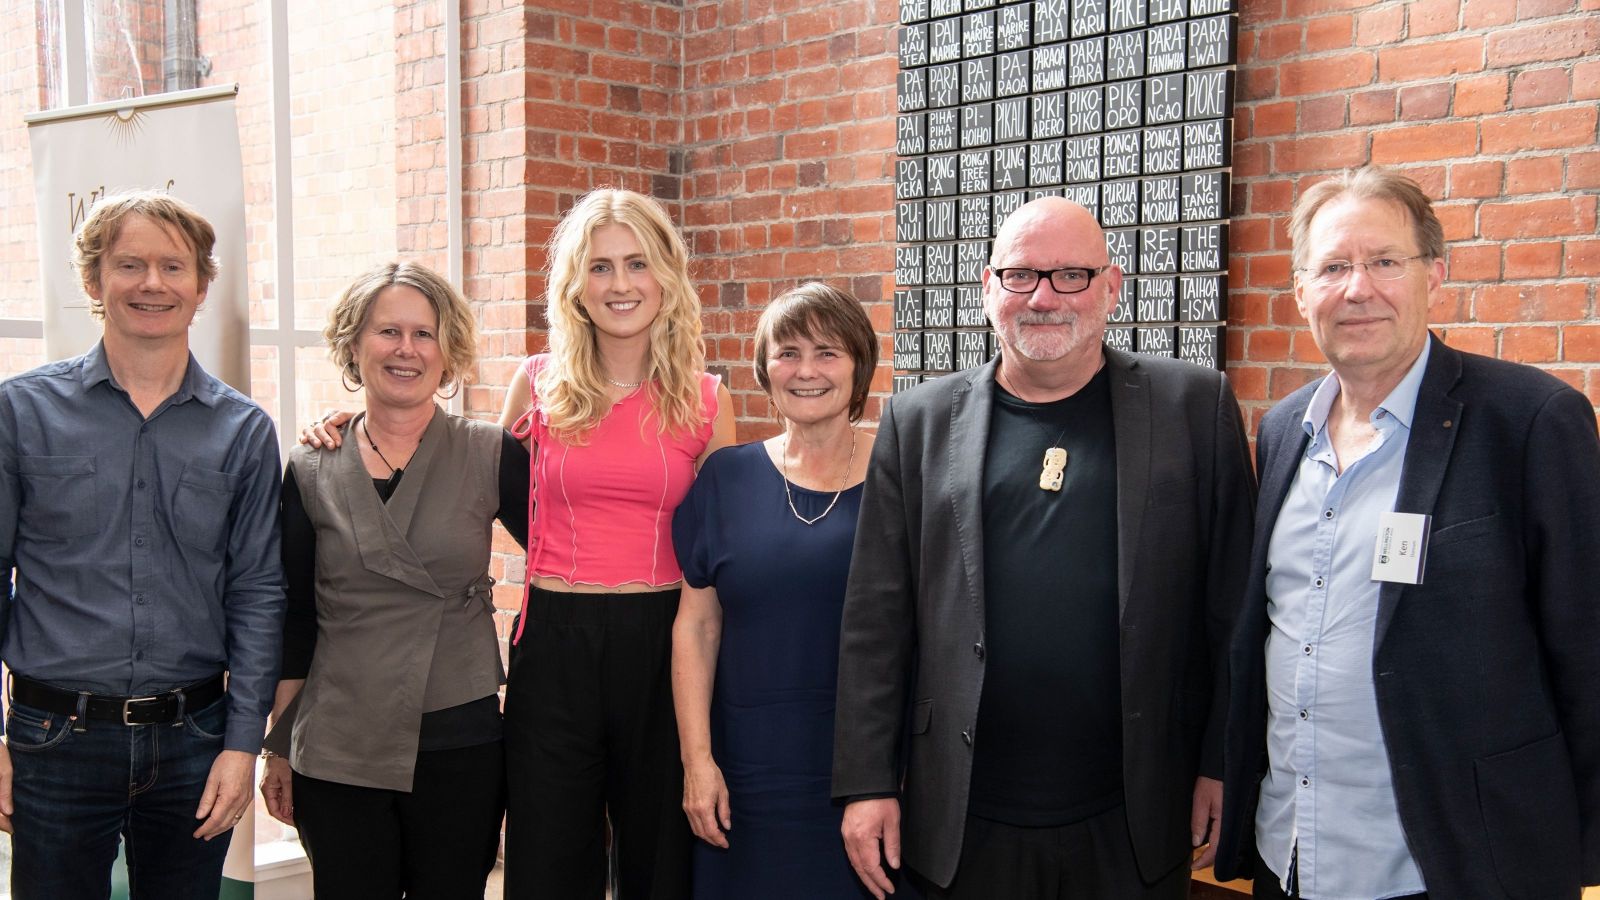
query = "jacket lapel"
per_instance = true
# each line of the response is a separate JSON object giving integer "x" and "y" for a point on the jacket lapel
{"x": 1433, "y": 437}
{"x": 381, "y": 541}
{"x": 970, "y": 409}
{"x": 1130, "y": 422}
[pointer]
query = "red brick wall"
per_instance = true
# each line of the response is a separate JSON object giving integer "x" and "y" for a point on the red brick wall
{"x": 1489, "y": 104}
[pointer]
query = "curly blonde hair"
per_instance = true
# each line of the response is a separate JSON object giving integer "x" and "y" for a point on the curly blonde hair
{"x": 458, "y": 333}
{"x": 572, "y": 389}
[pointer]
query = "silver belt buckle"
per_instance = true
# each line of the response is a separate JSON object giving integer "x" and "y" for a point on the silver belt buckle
{"x": 127, "y": 708}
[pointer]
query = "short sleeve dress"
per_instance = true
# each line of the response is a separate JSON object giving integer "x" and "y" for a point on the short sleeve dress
{"x": 781, "y": 584}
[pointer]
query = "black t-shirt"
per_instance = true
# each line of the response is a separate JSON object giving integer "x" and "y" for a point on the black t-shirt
{"x": 1048, "y": 746}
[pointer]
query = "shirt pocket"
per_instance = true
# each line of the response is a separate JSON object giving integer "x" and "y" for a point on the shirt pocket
{"x": 58, "y": 496}
{"x": 200, "y": 507}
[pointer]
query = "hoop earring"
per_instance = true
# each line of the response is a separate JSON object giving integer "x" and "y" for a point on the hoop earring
{"x": 344, "y": 380}
{"x": 455, "y": 388}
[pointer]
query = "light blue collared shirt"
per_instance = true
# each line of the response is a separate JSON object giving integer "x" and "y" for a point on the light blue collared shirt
{"x": 1328, "y": 789}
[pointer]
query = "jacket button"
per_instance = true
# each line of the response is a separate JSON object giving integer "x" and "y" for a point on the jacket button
{"x": 978, "y": 649}
{"x": 966, "y": 738}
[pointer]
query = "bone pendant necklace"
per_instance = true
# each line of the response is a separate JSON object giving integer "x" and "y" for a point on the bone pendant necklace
{"x": 1055, "y": 456}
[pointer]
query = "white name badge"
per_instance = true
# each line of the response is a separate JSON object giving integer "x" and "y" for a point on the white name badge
{"x": 1402, "y": 547}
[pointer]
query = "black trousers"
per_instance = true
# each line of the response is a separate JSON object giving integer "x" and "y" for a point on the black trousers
{"x": 591, "y": 736}
{"x": 1088, "y": 860}
{"x": 436, "y": 843}
{"x": 1265, "y": 886}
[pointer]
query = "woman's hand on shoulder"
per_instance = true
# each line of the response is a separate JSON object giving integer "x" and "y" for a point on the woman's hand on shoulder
{"x": 705, "y": 802}
{"x": 324, "y": 433}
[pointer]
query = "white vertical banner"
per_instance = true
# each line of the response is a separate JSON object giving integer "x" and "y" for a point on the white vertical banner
{"x": 186, "y": 143}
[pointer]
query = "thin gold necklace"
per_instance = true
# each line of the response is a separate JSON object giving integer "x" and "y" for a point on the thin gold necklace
{"x": 844, "y": 483}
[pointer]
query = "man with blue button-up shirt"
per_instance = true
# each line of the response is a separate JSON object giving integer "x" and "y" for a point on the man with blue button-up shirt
{"x": 1415, "y": 707}
{"x": 142, "y": 597}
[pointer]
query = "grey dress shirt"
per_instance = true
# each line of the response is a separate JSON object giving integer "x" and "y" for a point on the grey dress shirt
{"x": 145, "y": 551}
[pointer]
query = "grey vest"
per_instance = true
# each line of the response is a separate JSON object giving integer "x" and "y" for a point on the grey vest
{"x": 405, "y": 615}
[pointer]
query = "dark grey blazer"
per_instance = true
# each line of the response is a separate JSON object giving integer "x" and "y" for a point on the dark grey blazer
{"x": 912, "y": 657}
{"x": 1487, "y": 673}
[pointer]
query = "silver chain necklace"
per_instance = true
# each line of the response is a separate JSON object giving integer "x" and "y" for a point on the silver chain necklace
{"x": 845, "y": 482}
{"x": 622, "y": 384}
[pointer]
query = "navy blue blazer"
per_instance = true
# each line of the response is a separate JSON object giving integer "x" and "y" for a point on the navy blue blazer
{"x": 1488, "y": 673}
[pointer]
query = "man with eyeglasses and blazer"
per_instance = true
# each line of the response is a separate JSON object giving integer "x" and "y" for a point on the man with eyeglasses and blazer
{"x": 1050, "y": 555}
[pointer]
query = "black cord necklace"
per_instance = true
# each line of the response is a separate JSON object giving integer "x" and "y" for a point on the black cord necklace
{"x": 1052, "y": 474}
{"x": 394, "y": 473}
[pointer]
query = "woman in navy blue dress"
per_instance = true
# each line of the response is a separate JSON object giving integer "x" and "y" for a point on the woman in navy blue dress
{"x": 764, "y": 539}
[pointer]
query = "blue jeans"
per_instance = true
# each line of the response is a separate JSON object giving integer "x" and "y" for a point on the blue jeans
{"x": 77, "y": 793}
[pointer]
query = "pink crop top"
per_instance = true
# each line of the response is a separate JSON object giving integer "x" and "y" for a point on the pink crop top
{"x": 602, "y": 512}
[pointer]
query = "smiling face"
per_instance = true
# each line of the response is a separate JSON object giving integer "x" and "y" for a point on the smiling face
{"x": 620, "y": 295}
{"x": 811, "y": 379}
{"x": 397, "y": 351}
{"x": 149, "y": 283}
{"x": 1368, "y": 329}
{"x": 1043, "y": 325}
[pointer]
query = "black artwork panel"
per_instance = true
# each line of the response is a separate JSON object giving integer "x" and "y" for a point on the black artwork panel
{"x": 911, "y": 90}
{"x": 944, "y": 130}
{"x": 1011, "y": 78}
{"x": 977, "y": 34}
{"x": 1201, "y": 345}
{"x": 908, "y": 309}
{"x": 1116, "y": 339}
{"x": 1205, "y": 196}
{"x": 1086, "y": 110}
{"x": 977, "y": 79}
{"x": 913, "y": 45}
{"x": 944, "y": 85}
{"x": 971, "y": 257}
{"x": 1049, "y": 68}
{"x": 1011, "y": 167}
{"x": 1124, "y": 105}
{"x": 969, "y": 307}
{"x": 1049, "y": 21}
{"x": 1014, "y": 28}
{"x": 975, "y": 166}
{"x": 1157, "y": 298}
{"x": 908, "y": 349}
{"x": 940, "y": 221}
{"x": 911, "y": 134}
{"x": 908, "y": 221}
{"x": 1083, "y": 159}
{"x": 1046, "y": 165}
{"x": 939, "y": 308}
{"x": 908, "y": 268}
{"x": 1122, "y": 15}
{"x": 1119, "y": 203}
{"x": 938, "y": 352}
{"x": 909, "y": 178}
{"x": 913, "y": 10}
{"x": 1122, "y": 245}
{"x": 1202, "y": 298}
{"x": 972, "y": 349}
{"x": 1086, "y": 61}
{"x": 1036, "y": 193}
{"x": 1211, "y": 42}
{"x": 1158, "y": 251}
{"x": 1210, "y": 7}
{"x": 1208, "y": 95}
{"x": 938, "y": 266}
{"x": 1167, "y": 10}
{"x": 943, "y": 176}
{"x": 1165, "y": 48}
{"x": 1010, "y": 120}
{"x": 939, "y": 8}
{"x": 1205, "y": 248}
{"x": 1125, "y": 56}
{"x": 1207, "y": 144}
{"x": 1163, "y": 149}
{"x": 1160, "y": 200}
{"x": 970, "y": 5}
{"x": 1155, "y": 340}
{"x": 1048, "y": 115}
{"x": 1005, "y": 204}
{"x": 1122, "y": 313}
{"x": 944, "y": 40}
{"x": 906, "y": 382}
{"x": 1086, "y": 196}
{"x": 1163, "y": 99}
{"x": 1088, "y": 17}
{"x": 974, "y": 218}
{"x": 1120, "y": 154}
{"x": 977, "y": 125}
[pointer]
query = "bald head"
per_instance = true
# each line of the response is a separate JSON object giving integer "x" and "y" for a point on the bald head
{"x": 1069, "y": 230}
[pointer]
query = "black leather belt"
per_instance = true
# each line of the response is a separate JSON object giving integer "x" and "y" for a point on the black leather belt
{"x": 156, "y": 709}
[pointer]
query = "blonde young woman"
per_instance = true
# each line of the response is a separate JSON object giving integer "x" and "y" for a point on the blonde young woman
{"x": 619, "y": 415}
